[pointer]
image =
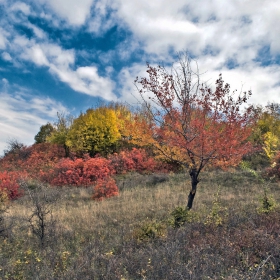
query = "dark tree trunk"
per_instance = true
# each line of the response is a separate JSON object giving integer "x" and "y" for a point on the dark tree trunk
{"x": 194, "y": 178}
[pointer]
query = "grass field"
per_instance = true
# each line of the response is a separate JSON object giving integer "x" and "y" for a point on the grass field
{"x": 227, "y": 234}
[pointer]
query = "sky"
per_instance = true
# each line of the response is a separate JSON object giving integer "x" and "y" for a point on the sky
{"x": 67, "y": 55}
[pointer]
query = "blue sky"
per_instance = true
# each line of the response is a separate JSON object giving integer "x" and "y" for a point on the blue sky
{"x": 68, "y": 55}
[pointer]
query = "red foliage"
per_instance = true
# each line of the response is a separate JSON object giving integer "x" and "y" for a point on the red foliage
{"x": 105, "y": 189}
{"x": 137, "y": 160}
{"x": 9, "y": 183}
{"x": 134, "y": 160}
{"x": 79, "y": 172}
{"x": 33, "y": 159}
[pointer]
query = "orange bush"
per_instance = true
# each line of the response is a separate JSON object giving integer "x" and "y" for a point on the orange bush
{"x": 105, "y": 189}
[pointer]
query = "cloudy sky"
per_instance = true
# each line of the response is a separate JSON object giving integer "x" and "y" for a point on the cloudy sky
{"x": 68, "y": 55}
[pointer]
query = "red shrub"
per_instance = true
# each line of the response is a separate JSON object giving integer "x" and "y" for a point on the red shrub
{"x": 138, "y": 160}
{"x": 34, "y": 158}
{"x": 105, "y": 189}
{"x": 9, "y": 184}
{"x": 134, "y": 160}
{"x": 79, "y": 172}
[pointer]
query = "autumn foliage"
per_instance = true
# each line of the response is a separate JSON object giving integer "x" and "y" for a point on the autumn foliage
{"x": 105, "y": 188}
{"x": 33, "y": 159}
{"x": 191, "y": 123}
{"x": 79, "y": 172}
{"x": 274, "y": 170}
{"x": 9, "y": 184}
{"x": 46, "y": 162}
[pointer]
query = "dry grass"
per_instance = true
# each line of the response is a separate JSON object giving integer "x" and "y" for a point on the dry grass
{"x": 129, "y": 237}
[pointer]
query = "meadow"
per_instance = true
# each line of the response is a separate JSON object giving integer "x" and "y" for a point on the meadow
{"x": 232, "y": 232}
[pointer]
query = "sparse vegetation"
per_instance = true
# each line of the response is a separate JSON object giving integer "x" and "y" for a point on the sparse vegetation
{"x": 130, "y": 236}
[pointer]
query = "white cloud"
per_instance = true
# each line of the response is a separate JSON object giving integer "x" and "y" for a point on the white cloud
{"x": 39, "y": 33}
{"x": 37, "y": 55}
{"x": 6, "y": 56}
{"x": 61, "y": 63}
{"x": 22, "y": 115}
{"x": 263, "y": 81}
{"x": 126, "y": 79}
{"x": 223, "y": 26}
{"x": 3, "y": 39}
{"x": 75, "y": 12}
{"x": 20, "y": 6}
{"x": 86, "y": 80}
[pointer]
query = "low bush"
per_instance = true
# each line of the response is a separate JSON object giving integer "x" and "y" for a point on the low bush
{"x": 104, "y": 189}
{"x": 79, "y": 172}
{"x": 9, "y": 183}
{"x": 274, "y": 170}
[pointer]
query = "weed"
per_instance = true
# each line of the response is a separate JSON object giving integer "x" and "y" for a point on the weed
{"x": 181, "y": 215}
{"x": 149, "y": 230}
{"x": 217, "y": 213}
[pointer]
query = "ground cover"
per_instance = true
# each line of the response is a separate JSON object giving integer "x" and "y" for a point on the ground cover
{"x": 231, "y": 233}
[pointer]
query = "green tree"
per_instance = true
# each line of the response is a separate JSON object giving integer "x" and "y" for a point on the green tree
{"x": 45, "y": 131}
{"x": 95, "y": 131}
{"x": 61, "y": 130}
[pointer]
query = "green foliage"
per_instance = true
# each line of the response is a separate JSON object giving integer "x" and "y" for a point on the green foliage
{"x": 181, "y": 215}
{"x": 94, "y": 132}
{"x": 149, "y": 230}
{"x": 217, "y": 213}
{"x": 45, "y": 131}
{"x": 61, "y": 130}
{"x": 268, "y": 203}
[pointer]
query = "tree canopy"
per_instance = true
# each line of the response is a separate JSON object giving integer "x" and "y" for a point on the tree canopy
{"x": 193, "y": 124}
{"x": 95, "y": 131}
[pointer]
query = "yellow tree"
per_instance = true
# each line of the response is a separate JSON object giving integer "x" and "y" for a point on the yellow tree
{"x": 266, "y": 133}
{"x": 95, "y": 131}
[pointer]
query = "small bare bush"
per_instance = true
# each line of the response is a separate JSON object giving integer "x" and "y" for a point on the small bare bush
{"x": 41, "y": 221}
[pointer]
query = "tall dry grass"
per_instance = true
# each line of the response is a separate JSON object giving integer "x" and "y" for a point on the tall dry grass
{"x": 130, "y": 236}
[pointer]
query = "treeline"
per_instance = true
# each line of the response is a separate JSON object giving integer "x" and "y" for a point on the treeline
{"x": 114, "y": 139}
{"x": 86, "y": 151}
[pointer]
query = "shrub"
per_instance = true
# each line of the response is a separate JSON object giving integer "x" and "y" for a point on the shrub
{"x": 33, "y": 159}
{"x": 149, "y": 230}
{"x": 137, "y": 160}
{"x": 181, "y": 215}
{"x": 9, "y": 184}
{"x": 217, "y": 214}
{"x": 274, "y": 169}
{"x": 79, "y": 172}
{"x": 105, "y": 189}
{"x": 268, "y": 203}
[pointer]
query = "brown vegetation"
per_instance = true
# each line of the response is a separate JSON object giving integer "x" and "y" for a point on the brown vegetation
{"x": 132, "y": 236}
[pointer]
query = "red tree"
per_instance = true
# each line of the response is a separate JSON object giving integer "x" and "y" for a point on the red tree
{"x": 193, "y": 124}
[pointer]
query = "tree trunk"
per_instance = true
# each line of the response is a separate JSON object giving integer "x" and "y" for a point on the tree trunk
{"x": 195, "y": 181}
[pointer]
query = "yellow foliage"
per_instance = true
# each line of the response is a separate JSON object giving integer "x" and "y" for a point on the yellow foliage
{"x": 96, "y": 131}
{"x": 271, "y": 144}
